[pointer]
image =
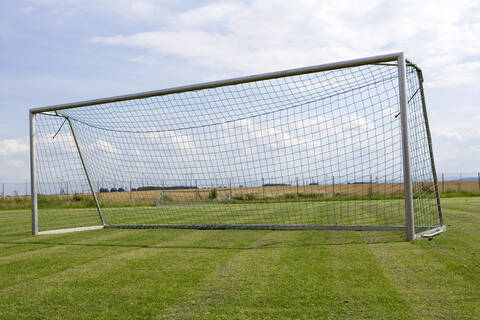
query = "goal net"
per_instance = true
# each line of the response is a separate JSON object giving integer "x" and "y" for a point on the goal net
{"x": 324, "y": 147}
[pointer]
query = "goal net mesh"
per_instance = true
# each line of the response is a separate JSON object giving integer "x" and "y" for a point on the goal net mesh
{"x": 316, "y": 149}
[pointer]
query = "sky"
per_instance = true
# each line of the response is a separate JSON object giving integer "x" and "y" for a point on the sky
{"x": 54, "y": 52}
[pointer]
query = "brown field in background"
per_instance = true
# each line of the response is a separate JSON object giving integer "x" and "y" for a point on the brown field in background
{"x": 149, "y": 198}
{"x": 323, "y": 191}
{"x": 267, "y": 192}
{"x": 470, "y": 185}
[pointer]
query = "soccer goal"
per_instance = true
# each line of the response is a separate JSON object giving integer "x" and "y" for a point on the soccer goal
{"x": 338, "y": 146}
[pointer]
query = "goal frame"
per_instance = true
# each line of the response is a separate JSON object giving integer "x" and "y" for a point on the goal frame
{"x": 398, "y": 58}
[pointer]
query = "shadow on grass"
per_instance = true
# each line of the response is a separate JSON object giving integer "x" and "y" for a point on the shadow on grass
{"x": 334, "y": 238}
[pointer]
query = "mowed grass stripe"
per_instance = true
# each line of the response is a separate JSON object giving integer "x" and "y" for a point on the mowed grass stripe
{"x": 365, "y": 291}
{"x": 15, "y": 224}
{"x": 295, "y": 275}
{"x": 463, "y": 217}
{"x": 153, "y": 278}
{"x": 61, "y": 258}
{"x": 56, "y": 246}
{"x": 439, "y": 278}
{"x": 236, "y": 288}
{"x": 138, "y": 283}
{"x": 17, "y": 300}
{"x": 460, "y": 245}
{"x": 468, "y": 204}
{"x": 429, "y": 285}
{"x": 32, "y": 243}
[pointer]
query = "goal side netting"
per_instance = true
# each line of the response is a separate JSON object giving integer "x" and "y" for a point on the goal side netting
{"x": 310, "y": 149}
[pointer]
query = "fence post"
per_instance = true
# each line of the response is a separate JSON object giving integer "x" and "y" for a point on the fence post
{"x": 370, "y": 192}
{"x": 386, "y": 187}
{"x": 297, "y": 183}
{"x": 333, "y": 186}
{"x": 443, "y": 182}
{"x": 196, "y": 190}
{"x": 263, "y": 188}
{"x": 231, "y": 192}
{"x": 130, "y": 191}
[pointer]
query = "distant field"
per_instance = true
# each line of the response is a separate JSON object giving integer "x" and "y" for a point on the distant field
{"x": 290, "y": 192}
{"x": 239, "y": 274}
{"x": 375, "y": 204}
{"x": 374, "y": 190}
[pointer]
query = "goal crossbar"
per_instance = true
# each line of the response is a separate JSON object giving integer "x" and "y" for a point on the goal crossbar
{"x": 227, "y": 82}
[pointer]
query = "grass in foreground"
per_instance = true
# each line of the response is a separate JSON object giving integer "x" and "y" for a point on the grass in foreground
{"x": 236, "y": 274}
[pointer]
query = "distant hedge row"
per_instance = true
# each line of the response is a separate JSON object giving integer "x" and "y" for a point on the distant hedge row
{"x": 147, "y": 188}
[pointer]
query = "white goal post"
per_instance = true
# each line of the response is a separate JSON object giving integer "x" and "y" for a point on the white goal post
{"x": 338, "y": 146}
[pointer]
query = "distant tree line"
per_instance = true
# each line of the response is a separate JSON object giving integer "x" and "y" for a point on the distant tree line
{"x": 112, "y": 190}
{"x": 146, "y": 188}
{"x": 152, "y": 188}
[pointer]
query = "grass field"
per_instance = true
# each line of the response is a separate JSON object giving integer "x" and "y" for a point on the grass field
{"x": 240, "y": 274}
{"x": 360, "y": 212}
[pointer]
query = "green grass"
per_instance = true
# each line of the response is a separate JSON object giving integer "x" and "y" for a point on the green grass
{"x": 450, "y": 193}
{"x": 239, "y": 274}
{"x": 388, "y": 212}
{"x": 78, "y": 201}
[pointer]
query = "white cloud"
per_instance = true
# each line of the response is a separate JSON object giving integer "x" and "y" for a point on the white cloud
{"x": 177, "y": 139}
{"x": 144, "y": 60}
{"x": 27, "y": 10}
{"x": 456, "y": 144}
{"x": 265, "y": 35}
{"x": 14, "y": 146}
{"x": 106, "y": 146}
{"x": 244, "y": 37}
{"x": 459, "y": 130}
{"x": 14, "y": 155}
{"x": 181, "y": 140}
{"x": 362, "y": 122}
{"x": 451, "y": 135}
{"x": 137, "y": 9}
{"x": 62, "y": 141}
{"x": 16, "y": 163}
{"x": 122, "y": 10}
{"x": 455, "y": 74}
{"x": 218, "y": 12}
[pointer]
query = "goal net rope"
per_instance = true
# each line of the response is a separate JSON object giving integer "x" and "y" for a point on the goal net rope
{"x": 320, "y": 149}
